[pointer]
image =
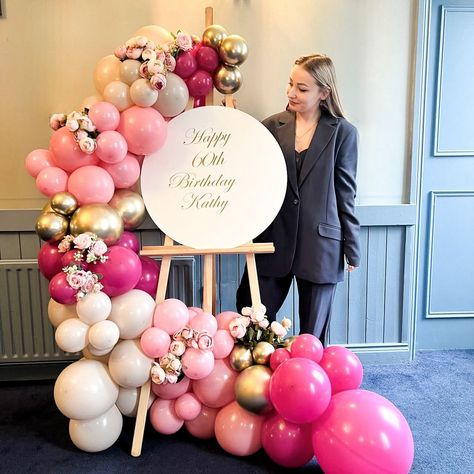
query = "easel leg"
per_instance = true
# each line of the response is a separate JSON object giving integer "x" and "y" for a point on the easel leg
{"x": 253, "y": 281}
{"x": 208, "y": 291}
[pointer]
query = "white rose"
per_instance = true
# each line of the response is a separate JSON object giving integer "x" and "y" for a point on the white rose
{"x": 141, "y": 41}
{"x": 263, "y": 324}
{"x": 278, "y": 329}
{"x": 148, "y": 54}
{"x": 87, "y": 145}
{"x": 286, "y": 323}
{"x": 72, "y": 125}
{"x": 86, "y": 124}
{"x": 157, "y": 374}
{"x": 246, "y": 311}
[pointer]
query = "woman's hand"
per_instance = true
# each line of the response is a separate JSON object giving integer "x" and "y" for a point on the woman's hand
{"x": 351, "y": 268}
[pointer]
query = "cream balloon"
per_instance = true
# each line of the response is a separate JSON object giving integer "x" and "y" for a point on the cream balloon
{"x": 89, "y": 101}
{"x": 130, "y": 207}
{"x": 57, "y": 312}
{"x": 85, "y": 390}
{"x": 130, "y": 71}
{"x": 127, "y": 401}
{"x": 97, "y": 433}
{"x": 71, "y": 335}
{"x": 118, "y": 94}
{"x": 142, "y": 94}
{"x": 173, "y": 99}
{"x": 128, "y": 365}
{"x": 86, "y": 352}
{"x": 94, "y": 307}
{"x": 155, "y": 33}
{"x": 100, "y": 352}
{"x": 103, "y": 335}
{"x": 106, "y": 71}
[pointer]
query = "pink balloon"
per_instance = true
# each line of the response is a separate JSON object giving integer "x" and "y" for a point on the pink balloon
{"x": 300, "y": 390}
{"x": 163, "y": 417}
{"x": 202, "y": 426}
{"x": 51, "y": 180}
{"x": 111, "y": 147}
{"x": 90, "y": 185}
{"x": 199, "y": 102}
{"x": 223, "y": 344}
{"x": 217, "y": 389}
{"x": 125, "y": 173}
{"x": 60, "y": 290}
{"x": 207, "y": 59}
{"x": 278, "y": 357}
{"x": 193, "y": 312}
{"x": 129, "y": 240}
{"x": 185, "y": 64}
{"x": 66, "y": 152}
{"x": 144, "y": 128}
{"x": 224, "y": 318}
{"x": 38, "y": 160}
{"x": 104, "y": 115}
{"x": 197, "y": 364}
{"x": 149, "y": 279}
{"x": 155, "y": 342}
{"x": 187, "y": 407}
{"x": 285, "y": 443}
{"x": 171, "y": 391}
{"x": 204, "y": 322}
{"x": 307, "y": 346}
{"x": 343, "y": 368}
{"x": 68, "y": 258}
{"x": 238, "y": 431}
{"x": 121, "y": 271}
{"x": 171, "y": 315}
{"x": 49, "y": 260}
{"x": 362, "y": 431}
{"x": 199, "y": 84}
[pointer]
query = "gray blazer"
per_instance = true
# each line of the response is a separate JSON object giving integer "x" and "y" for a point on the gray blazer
{"x": 316, "y": 225}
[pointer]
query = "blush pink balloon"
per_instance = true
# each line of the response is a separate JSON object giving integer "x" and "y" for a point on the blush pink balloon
{"x": 193, "y": 312}
{"x": 104, "y": 115}
{"x": 111, "y": 147}
{"x": 129, "y": 240}
{"x": 343, "y": 368}
{"x": 223, "y": 344}
{"x": 204, "y": 322}
{"x": 187, "y": 407}
{"x": 66, "y": 152}
{"x": 125, "y": 173}
{"x": 60, "y": 290}
{"x": 278, "y": 357}
{"x": 49, "y": 260}
{"x": 163, "y": 417}
{"x": 155, "y": 342}
{"x": 207, "y": 59}
{"x": 90, "y": 185}
{"x": 197, "y": 364}
{"x": 202, "y": 426}
{"x": 362, "y": 431}
{"x": 199, "y": 84}
{"x": 38, "y": 160}
{"x": 144, "y": 128}
{"x": 307, "y": 346}
{"x": 171, "y": 391}
{"x": 51, "y": 180}
{"x": 171, "y": 315}
{"x": 217, "y": 389}
{"x": 224, "y": 318}
{"x": 238, "y": 431}
{"x": 150, "y": 273}
{"x": 186, "y": 65}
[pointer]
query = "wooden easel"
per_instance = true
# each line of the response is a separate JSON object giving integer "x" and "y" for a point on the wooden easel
{"x": 169, "y": 250}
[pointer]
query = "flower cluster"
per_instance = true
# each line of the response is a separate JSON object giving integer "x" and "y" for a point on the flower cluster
{"x": 80, "y": 124}
{"x": 168, "y": 369}
{"x": 90, "y": 247}
{"x": 82, "y": 280}
{"x": 253, "y": 326}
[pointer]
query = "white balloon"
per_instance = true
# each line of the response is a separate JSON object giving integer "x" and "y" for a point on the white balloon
{"x": 142, "y": 94}
{"x": 57, "y": 312}
{"x": 130, "y": 71}
{"x": 88, "y": 354}
{"x": 118, "y": 94}
{"x": 173, "y": 99}
{"x": 100, "y": 352}
{"x": 155, "y": 33}
{"x": 94, "y": 307}
{"x": 103, "y": 335}
{"x": 127, "y": 401}
{"x": 85, "y": 390}
{"x": 133, "y": 313}
{"x": 71, "y": 335}
{"x": 128, "y": 365}
{"x": 97, "y": 433}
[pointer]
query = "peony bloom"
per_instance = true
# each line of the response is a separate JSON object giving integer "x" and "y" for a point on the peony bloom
{"x": 82, "y": 241}
{"x": 236, "y": 329}
{"x": 263, "y": 324}
{"x": 171, "y": 378}
{"x": 177, "y": 348}
{"x": 134, "y": 53}
{"x": 76, "y": 279}
{"x": 205, "y": 342}
{"x": 87, "y": 145}
{"x": 156, "y": 66}
{"x": 157, "y": 374}
{"x": 149, "y": 54}
{"x": 99, "y": 247}
{"x": 141, "y": 41}
{"x": 184, "y": 41}
{"x": 278, "y": 329}
{"x": 121, "y": 52}
{"x": 144, "y": 70}
{"x": 57, "y": 121}
{"x": 246, "y": 311}
{"x": 170, "y": 62}
{"x": 72, "y": 125}
{"x": 85, "y": 123}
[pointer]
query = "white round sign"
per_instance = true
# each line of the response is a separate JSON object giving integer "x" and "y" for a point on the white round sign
{"x": 218, "y": 181}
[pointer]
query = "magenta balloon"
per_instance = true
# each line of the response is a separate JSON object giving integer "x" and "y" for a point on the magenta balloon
{"x": 199, "y": 84}
{"x": 171, "y": 391}
{"x": 207, "y": 59}
{"x": 149, "y": 278}
{"x": 186, "y": 65}
{"x": 286, "y": 443}
{"x": 125, "y": 173}
{"x": 224, "y": 318}
{"x": 37, "y": 160}
{"x": 60, "y": 290}
{"x": 199, "y": 102}
{"x": 91, "y": 185}
{"x": 121, "y": 271}
{"x": 300, "y": 390}
{"x": 104, "y": 115}
{"x": 49, "y": 260}
{"x": 163, "y": 417}
{"x": 362, "y": 431}
{"x": 111, "y": 147}
{"x": 51, "y": 180}
{"x": 68, "y": 258}
{"x": 129, "y": 240}
{"x": 307, "y": 346}
{"x": 202, "y": 426}
{"x": 343, "y": 368}
{"x": 144, "y": 128}
{"x": 278, "y": 357}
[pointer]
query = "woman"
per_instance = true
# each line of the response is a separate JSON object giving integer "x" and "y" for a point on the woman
{"x": 316, "y": 226}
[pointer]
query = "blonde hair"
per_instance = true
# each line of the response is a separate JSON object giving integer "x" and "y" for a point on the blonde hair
{"x": 322, "y": 69}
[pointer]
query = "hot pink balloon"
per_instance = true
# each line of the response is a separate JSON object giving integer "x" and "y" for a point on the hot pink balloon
{"x": 38, "y": 160}
{"x": 197, "y": 364}
{"x": 129, "y": 240}
{"x": 149, "y": 279}
{"x": 199, "y": 84}
{"x": 204, "y": 322}
{"x": 207, "y": 59}
{"x": 104, "y": 115}
{"x": 223, "y": 344}
{"x": 362, "y": 431}
{"x": 171, "y": 315}
{"x": 51, "y": 180}
{"x": 343, "y": 368}
{"x": 202, "y": 426}
{"x": 155, "y": 342}
{"x": 60, "y": 290}
{"x": 287, "y": 444}
{"x": 278, "y": 357}
{"x": 163, "y": 417}
{"x": 111, "y": 147}
{"x": 307, "y": 346}
{"x": 144, "y": 128}
{"x": 49, "y": 260}
{"x": 224, "y": 318}
{"x": 69, "y": 257}
{"x": 187, "y": 407}
{"x": 171, "y": 391}
{"x": 300, "y": 390}
{"x": 125, "y": 173}
{"x": 186, "y": 65}
{"x": 199, "y": 102}
{"x": 90, "y": 185}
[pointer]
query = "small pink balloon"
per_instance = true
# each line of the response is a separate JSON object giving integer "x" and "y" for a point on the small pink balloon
{"x": 90, "y": 185}
{"x": 207, "y": 59}
{"x": 155, "y": 342}
{"x": 171, "y": 315}
{"x": 187, "y": 407}
{"x": 51, "y": 180}
{"x": 125, "y": 173}
{"x": 129, "y": 240}
{"x": 60, "y": 290}
{"x": 38, "y": 160}
{"x": 193, "y": 312}
{"x": 202, "y": 426}
{"x": 163, "y": 417}
{"x": 104, "y": 115}
{"x": 186, "y": 65}
{"x": 204, "y": 322}
{"x": 150, "y": 273}
{"x": 111, "y": 147}
{"x": 224, "y": 318}
{"x": 223, "y": 344}
{"x": 197, "y": 364}
{"x": 199, "y": 84}
{"x": 278, "y": 357}
{"x": 307, "y": 346}
{"x": 171, "y": 391}
{"x": 49, "y": 260}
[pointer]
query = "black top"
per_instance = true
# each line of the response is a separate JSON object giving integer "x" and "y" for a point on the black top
{"x": 299, "y": 158}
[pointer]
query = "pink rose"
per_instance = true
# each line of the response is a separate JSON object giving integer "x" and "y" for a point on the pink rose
{"x": 286, "y": 323}
{"x": 177, "y": 348}
{"x": 149, "y": 55}
{"x": 121, "y": 52}
{"x": 161, "y": 56}
{"x": 205, "y": 342}
{"x": 187, "y": 333}
{"x": 150, "y": 45}
{"x": 64, "y": 246}
{"x": 278, "y": 329}
{"x": 246, "y": 311}
{"x": 244, "y": 321}
{"x": 82, "y": 241}
{"x": 76, "y": 279}
{"x": 158, "y": 375}
{"x": 263, "y": 324}
{"x": 257, "y": 316}
{"x": 170, "y": 62}
{"x": 80, "y": 134}
{"x": 144, "y": 70}
{"x": 87, "y": 145}
{"x": 72, "y": 125}
{"x": 133, "y": 53}
{"x": 236, "y": 329}
{"x": 156, "y": 66}
{"x": 171, "y": 378}
{"x": 141, "y": 41}
{"x": 184, "y": 41}
{"x": 99, "y": 247}
{"x": 57, "y": 121}
{"x": 175, "y": 366}
{"x": 90, "y": 282}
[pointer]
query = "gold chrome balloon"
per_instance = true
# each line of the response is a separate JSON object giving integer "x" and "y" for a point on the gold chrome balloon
{"x": 227, "y": 79}
{"x": 252, "y": 389}
{"x": 51, "y": 226}
{"x": 100, "y": 219}
{"x": 64, "y": 203}
{"x": 213, "y": 36}
{"x": 240, "y": 358}
{"x": 233, "y": 50}
{"x": 130, "y": 207}
{"x": 288, "y": 341}
{"x": 262, "y": 352}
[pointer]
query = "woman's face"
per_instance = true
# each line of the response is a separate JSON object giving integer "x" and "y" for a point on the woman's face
{"x": 304, "y": 95}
